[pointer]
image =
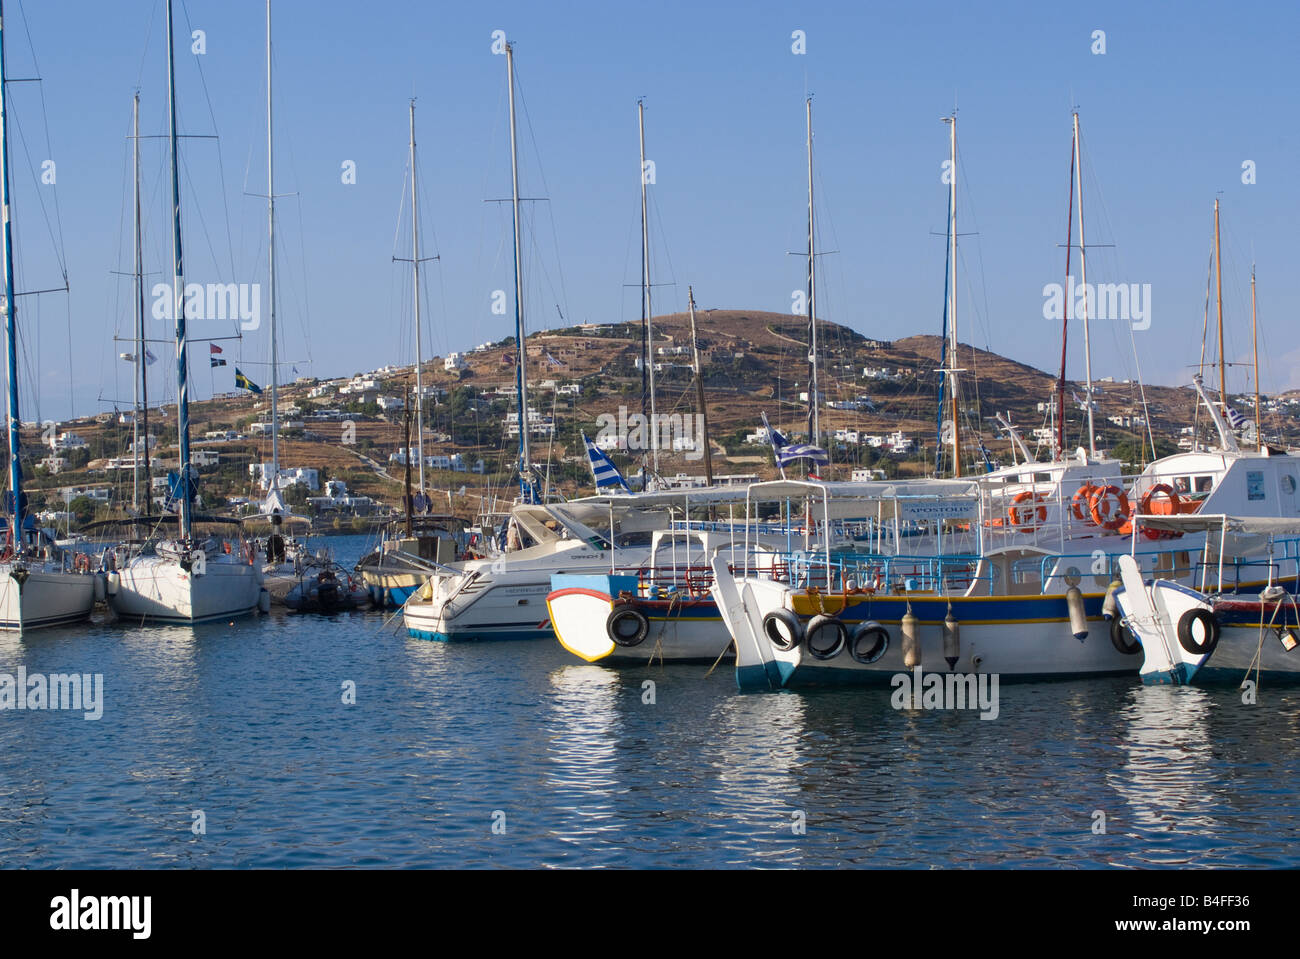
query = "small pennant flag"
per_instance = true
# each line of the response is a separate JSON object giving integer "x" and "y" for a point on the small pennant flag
{"x": 295, "y": 371}
{"x": 213, "y": 348}
{"x": 217, "y": 362}
{"x": 244, "y": 383}
{"x": 552, "y": 360}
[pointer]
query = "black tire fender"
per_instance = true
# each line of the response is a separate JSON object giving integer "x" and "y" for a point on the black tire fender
{"x": 627, "y": 626}
{"x": 870, "y": 641}
{"x": 1187, "y": 638}
{"x": 1122, "y": 638}
{"x": 783, "y": 628}
{"x": 817, "y": 627}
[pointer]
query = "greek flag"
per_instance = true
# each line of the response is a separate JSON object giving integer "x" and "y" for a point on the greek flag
{"x": 787, "y": 452}
{"x": 603, "y": 471}
{"x": 1235, "y": 419}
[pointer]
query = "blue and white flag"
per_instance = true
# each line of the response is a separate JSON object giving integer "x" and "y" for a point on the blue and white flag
{"x": 602, "y": 470}
{"x": 787, "y": 452}
{"x": 1235, "y": 419}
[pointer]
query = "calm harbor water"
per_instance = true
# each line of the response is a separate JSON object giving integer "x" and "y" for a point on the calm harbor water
{"x": 246, "y": 722}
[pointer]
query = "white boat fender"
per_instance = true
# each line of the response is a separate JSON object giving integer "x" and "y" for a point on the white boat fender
{"x": 869, "y": 643}
{"x": 911, "y": 639}
{"x": 1078, "y": 618}
{"x": 1109, "y": 606}
{"x": 114, "y": 579}
{"x": 1122, "y": 638}
{"x": 825, "y": 637}
{"x": 782, "y": 627}
{"x": 1209, "y": 631}
{"x": 100, "y": 587}
{"x": 951, "y": 639}
{"x": 627, "y": 626}
{"x": 264, "y": 601}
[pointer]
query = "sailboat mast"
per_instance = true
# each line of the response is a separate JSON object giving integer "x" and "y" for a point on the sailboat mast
{"x": 139, "y": 319}
{"x": 648, "y": 364}
{"x": 814, "y": 419}
{"x": 11, "y": 312}
{"x": 1218, "y": 282}
{"x": 521, "y": 376}
{"x": 415, "y": 271}
{"x": 699, "y": 392}
{"x": 952, "y": 295}
{"x": 1058, "y": 412}
{"x": 270, "y": 223}
{"x": 1083, "y": 276}
{"x": 1254, "y": 338}
{"x": 178, "y": 297}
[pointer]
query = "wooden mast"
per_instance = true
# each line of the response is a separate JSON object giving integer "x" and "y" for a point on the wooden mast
{"x": 699, "y": 392}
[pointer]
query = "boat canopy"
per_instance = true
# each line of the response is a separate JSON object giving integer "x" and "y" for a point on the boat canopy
{"x": 1210, "y": 522}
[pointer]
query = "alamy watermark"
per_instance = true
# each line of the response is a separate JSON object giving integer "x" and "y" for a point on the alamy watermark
{"x": 1130, "y": 302}
{"x": 635, "y": 432}
{"x": 82, "y": 692}
{"x": 921, "y": 690}
{"x": 212, "y": 301}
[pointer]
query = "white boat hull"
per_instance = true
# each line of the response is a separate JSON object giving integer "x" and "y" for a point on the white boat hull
{"x": 46, "y": 598}
{"x": 157, "y": 589}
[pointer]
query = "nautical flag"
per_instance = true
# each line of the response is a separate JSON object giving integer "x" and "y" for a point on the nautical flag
{"x": 213, "y": 348}
{"x": 130, "y": 357}
{"x": 787, "y": 452}
{"x": 1235, "y": 419}
{"x": 216, "y": 362}
{"x": 603, "y": 471}
{"x": 244, "y": 383}
{"x": 295, "y": 371}
{"x": 552, "y": 360}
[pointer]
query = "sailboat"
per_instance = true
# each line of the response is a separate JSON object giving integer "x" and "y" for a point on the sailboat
{"x": 38, "y": 584}
{"x": 288, "y": 560}
{"x": 412, "y": 550}
{"x": 186, "y": 579}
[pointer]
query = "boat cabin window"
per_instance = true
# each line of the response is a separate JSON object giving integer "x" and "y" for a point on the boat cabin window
{"x": 1204, "y": 484}
{"x": 1182, "y": 485}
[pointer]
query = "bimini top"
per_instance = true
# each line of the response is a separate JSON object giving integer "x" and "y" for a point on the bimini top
{"x": 1202, "y": 522}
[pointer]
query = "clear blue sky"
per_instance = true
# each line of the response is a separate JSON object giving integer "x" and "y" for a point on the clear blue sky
{"x": 1183, "y": 95}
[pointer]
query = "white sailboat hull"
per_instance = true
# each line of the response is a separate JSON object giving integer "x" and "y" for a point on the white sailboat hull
{"x": 158, "y": 589}
{"x": 46, "y": 598}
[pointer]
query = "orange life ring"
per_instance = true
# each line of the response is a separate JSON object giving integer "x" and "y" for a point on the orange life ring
{"x": 1108, "y": 518}
{"x": 250, "y": 553}
{"x": 81, "y": 563}
{"x": 1023, "y": 516}
{"x": 1081, "y": 503}
{"x": 1172, "y": 507}
{"x": 227, "y": 547}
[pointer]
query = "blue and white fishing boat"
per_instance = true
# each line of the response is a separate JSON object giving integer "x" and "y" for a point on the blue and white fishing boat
{"x": 1231, "y": 627}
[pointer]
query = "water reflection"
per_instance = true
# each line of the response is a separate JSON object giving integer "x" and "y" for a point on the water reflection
{"x": 583, "y": 728}
{"x": 1168, "y": 778}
